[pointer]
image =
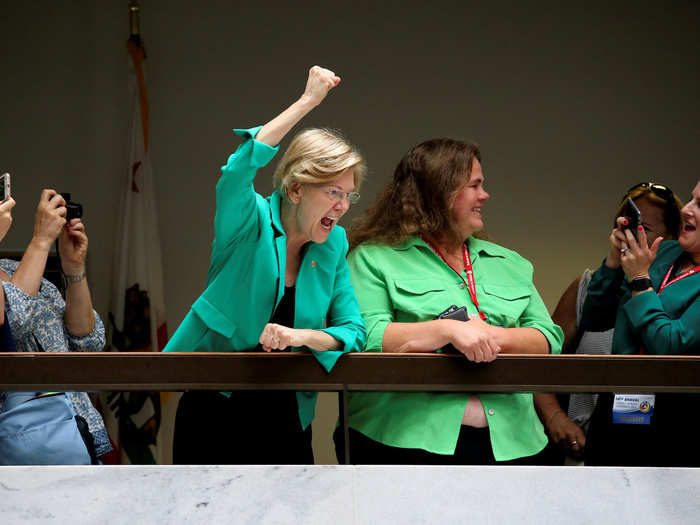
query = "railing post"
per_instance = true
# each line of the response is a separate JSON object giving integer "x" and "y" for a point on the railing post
{"x": 344, "y": 422}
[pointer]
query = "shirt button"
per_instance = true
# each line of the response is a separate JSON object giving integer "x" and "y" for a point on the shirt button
{"x": 491, "y": 411}
{"x": 461, "y": 286}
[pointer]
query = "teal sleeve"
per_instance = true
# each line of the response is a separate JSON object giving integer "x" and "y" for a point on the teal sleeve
{"x": 372, "y": 296}
{"x": 603, "y": 299}
{"x": 661, "y": 334}
{"x": 344, "y": 320}
{"x": 235, "y": 196}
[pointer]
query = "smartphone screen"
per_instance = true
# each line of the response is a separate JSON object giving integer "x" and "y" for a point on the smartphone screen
{"x": 4, "y": 187}
{"x": 634, "y": 216}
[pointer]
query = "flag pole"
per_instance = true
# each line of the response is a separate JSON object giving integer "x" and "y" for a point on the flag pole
{"x": 134, "y": 21}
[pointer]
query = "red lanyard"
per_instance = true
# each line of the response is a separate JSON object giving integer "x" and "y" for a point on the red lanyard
{"x": 471, "y": 285}
{"x": 666, "y": 282}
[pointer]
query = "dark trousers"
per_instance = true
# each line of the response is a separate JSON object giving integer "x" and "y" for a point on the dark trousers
{"x": 249, "y": 428}
{"x": 473, "y": 448}
{"x": 671, "y": 440}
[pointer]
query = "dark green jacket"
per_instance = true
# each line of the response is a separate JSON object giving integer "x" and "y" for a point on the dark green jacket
{"x": 665, "y": 323}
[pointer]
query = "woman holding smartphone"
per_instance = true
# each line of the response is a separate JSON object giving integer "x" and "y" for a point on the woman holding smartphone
{"x": 567, "y": 423}
{"x": 650, "y": 294}
{"x": 278, "y": 280}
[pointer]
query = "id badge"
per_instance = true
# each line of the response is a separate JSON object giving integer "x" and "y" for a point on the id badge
{"x": 633, "y": 409}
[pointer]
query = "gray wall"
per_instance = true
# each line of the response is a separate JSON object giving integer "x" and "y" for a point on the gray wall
{"x": 571, "y": 105}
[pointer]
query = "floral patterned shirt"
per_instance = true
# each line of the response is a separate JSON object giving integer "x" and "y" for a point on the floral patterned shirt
{"x": 37, "y": 325}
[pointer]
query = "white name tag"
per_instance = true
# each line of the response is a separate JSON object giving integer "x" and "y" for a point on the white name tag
{"x": 633, "y": 409}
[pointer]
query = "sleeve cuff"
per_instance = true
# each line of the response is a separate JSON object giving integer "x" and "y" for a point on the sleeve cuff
{"x": 11, "y": 289}
{"x": 328, "y": 358}
{"x": 556, "y": 340}
{"x": 261, "y": 153}
{"x": 610, "y": 274}
{"x": 375, "y": 336}
{"x": 247, "y": 133}
{"x": 94, "y": 341}
{"x": 349, "y": 338}
{"x": 638, "y": 307}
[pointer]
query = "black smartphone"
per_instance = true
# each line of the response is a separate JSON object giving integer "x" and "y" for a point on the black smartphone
{"x": 4, "y": 187}
{"x": 457, "y": 313}
{"x": 634, "y": 217}
{"x": 454, "y": 312}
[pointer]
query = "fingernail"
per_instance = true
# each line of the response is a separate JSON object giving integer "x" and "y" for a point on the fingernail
{"x": 640, "y": 228}
{"x": 625, "y": 222}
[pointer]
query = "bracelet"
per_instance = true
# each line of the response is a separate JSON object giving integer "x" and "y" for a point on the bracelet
{"x": 551, "y": 418}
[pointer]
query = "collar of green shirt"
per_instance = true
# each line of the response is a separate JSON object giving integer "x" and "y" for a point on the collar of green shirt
{"x": 477, "y": 247}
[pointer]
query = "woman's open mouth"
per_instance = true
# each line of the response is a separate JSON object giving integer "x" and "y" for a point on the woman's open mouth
{"x": 327, "y": 223}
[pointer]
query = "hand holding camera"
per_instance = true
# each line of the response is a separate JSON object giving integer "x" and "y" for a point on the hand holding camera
{"x": 57, "y": 215}
{"x": 49, "y": 218}
{"x": 73, "y": 242}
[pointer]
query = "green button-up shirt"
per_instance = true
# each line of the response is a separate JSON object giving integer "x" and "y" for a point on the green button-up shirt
{"x": 410, "y": 283}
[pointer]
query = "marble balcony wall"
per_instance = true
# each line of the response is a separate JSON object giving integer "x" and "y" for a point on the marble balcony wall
{"x": 349, "y": 495}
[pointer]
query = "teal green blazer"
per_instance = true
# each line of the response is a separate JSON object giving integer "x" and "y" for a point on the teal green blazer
{"x": 246, "y": 275}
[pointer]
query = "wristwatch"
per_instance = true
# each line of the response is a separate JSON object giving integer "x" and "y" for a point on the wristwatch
{"x": 70, "y": 279}
{"x": 639, "y": 284}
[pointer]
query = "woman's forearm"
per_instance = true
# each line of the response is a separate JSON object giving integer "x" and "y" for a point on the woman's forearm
{"x": 274, "y": 131}
{"x": 319, "y": 83}
{"x": 79, "y": 316}
{"x": 520, "y": 340}
{"x": 547, "y": 407}
{"x": 319, "y": 340}
{"x": 30, "y": 271}
{"x": 427, "y": 336}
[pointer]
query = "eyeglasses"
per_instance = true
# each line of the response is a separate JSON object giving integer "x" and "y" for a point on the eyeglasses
{"x": 338, "y": 195}
{"x": 659, "y": 190}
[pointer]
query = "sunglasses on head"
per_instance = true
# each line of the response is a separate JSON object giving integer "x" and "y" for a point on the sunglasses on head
{"x": 659, "y": 190}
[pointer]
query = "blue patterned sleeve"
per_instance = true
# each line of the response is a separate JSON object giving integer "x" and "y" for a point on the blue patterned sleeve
{"x": 92, "y": 342}
{"x": 24, "y": 312}
{"x": 42, "y": 317}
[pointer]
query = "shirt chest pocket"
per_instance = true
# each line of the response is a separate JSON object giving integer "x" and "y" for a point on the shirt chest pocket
{"x": 504, "y": 305}
{"x": 416, "y": 300}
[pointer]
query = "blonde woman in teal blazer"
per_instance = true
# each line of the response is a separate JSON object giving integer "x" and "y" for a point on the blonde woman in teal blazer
{"x": 278, "y": 280}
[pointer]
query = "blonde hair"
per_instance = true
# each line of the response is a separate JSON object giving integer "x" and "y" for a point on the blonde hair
{"x": 317, "y": 156}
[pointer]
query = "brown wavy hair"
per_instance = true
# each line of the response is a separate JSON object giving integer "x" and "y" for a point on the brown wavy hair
{"x": 419, "y": 198}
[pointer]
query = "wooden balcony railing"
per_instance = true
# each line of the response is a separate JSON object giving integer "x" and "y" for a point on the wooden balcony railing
{"x": 354, "y": 372}
{"x": 368, "y": 371}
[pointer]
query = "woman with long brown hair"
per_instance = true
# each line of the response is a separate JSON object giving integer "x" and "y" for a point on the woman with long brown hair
{"x": 417, "y": 265}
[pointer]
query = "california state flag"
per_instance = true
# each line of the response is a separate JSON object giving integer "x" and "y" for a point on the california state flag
{"x": 137, "y": 308}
